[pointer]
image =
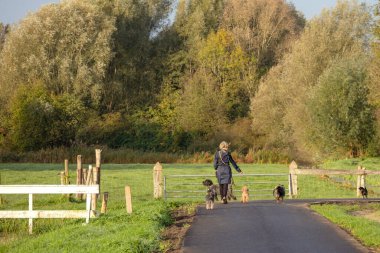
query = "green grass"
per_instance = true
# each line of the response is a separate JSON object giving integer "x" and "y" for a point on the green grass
{"x": 371, "y": 163}
{"x": 118, "y": 231}
{"x": 372, "y": 181}
{"x": 366, "y": 230}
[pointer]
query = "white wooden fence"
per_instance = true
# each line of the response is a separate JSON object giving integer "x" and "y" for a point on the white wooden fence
{"x": 49, "y": 189}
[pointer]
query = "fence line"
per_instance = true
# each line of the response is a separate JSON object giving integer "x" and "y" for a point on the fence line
{"x": 294, "y": 171}
{"x": 49, "y": 189}
{"x": 169, "y": 181}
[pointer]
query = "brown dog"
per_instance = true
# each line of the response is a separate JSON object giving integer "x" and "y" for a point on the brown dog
{"x": 244, "y": 194}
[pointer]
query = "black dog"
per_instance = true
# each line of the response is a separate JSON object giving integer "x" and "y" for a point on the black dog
{"x": 210, "y": 185}
{"x": 363, "y": 191}
{"x": 279, "y": 193}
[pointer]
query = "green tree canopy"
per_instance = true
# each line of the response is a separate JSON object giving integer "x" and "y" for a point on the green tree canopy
{"x": 67, "y": 46}
{"x": 41, "y": 121}
{"x": 343, "y": 119}
{"x": 279, "y": 110}
{"x": 263, "y": 28}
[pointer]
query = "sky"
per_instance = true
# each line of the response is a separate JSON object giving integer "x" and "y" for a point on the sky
{"x": 12, "y": 11}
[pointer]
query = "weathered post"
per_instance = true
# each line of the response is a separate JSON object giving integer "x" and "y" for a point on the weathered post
{"x": 290, "y": 191}
{"x": 84, "y": 176}
{"x": 93, "y": 196}
{"x": 362, "y": 181}
{"x": 157, "y": 180}
{"x": 358, "y": 181}
{"x": 293, "y": 179}
{"x": 98, "y": 158}
{"x": 79, "y": 174}
{"x": 104, "y": 203}
{"x": 63, "y": 180}
{"x": 67, "y": 172}
{"x": 93, "y": 202}
{"x": 1, "y": 198}
{"x": 95, "y": 178}
{"x": 128, "y": 199}
{"x": 89, "y": 175}
{"x": 89, "y": 181}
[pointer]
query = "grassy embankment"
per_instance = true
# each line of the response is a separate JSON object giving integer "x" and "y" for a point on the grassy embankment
{"x": 361, "y": 220}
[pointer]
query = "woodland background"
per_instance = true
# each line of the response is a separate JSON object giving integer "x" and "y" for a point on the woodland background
{"x": 171, "y": 79}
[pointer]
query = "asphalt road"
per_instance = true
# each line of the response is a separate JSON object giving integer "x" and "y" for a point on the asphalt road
{"x": 266, "y": 227}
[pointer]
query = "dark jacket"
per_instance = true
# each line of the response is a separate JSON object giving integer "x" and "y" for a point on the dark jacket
{"x": 222, "y": 162}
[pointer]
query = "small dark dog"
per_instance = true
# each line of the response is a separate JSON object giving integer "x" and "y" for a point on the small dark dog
{"x": 210, "y": 198}
{"x": 279, "y": 193}
{"x": 210, "y": 185}
{"x": 363, "y": 191}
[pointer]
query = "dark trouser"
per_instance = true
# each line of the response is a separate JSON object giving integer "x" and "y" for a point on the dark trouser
{"x": 223, "y": 190}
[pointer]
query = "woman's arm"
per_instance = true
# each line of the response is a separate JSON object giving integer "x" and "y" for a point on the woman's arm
{"x": 234, "y": 163}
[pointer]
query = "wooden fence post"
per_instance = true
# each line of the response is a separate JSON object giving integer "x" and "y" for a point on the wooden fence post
{"x": 157, "y": 181}
{"x": 1, "y": 198}
{"x": 89, "y": 175}
{"x": 98, "y": 158}
{"x": 79, "y": 174}
{"x": 63, "y": 180}
{"x": 293, "y": 179}
{"x": 93, "y": 201}
{"x": 95, "y": 178}
{"x": 84, "y": 176}
{"x": 104, "y": 203}
{"x": 360, "y": 180}
{"x": 128, "y": 199}
{"x": 290, "y": 191}
{"x": 67, "y": 172}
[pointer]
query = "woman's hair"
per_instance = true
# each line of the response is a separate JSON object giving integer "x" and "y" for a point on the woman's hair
{"x": 223, "y": 145}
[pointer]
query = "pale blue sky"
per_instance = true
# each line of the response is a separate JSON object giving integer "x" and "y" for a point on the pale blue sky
{"x": 12, "y": 11}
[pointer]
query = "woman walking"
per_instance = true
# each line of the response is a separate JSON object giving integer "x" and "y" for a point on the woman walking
{"x": 222, "y": 168}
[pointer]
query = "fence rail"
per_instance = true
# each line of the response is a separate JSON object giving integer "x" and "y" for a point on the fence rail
{"x": 190, "y": 186}
{"x": 49, "y": 189}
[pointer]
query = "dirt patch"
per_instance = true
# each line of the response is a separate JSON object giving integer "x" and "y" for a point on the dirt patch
{"x": 172, "y": 236}
{"x": 368, "y": 214}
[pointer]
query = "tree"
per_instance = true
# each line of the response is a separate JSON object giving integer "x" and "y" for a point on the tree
{"x": 231, "y": 68}
{"x": 263, "y": 28}
{"x": 4, "y": 30}
{"x": 374, "y": 84}
{"x": 67, "y": 46}
{"x": 340, "y": 111}
{"x": 200, "y": 108}
{"x": 134, "y": 75}
{"x": 279, "y": 110}
{"x": 40, "y": 121}
{"x": 375, "y": 64}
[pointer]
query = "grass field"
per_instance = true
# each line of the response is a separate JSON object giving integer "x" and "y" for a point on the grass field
{"x": 362, "y": 221}
{"x": 118, "y": 231}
